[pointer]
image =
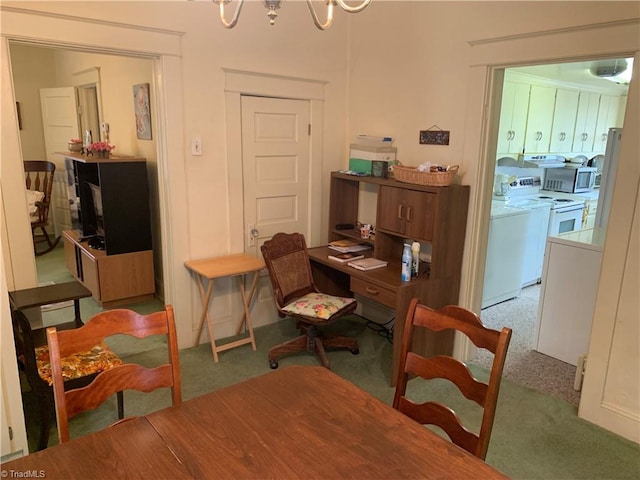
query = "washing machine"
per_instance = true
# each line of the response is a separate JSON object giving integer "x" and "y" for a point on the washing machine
{"x": 505, "y": 253}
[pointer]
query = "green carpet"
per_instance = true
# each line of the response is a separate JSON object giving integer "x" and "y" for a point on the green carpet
{"x": 535, "y": 436}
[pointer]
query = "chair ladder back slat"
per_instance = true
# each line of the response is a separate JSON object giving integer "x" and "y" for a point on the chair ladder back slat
{"x": 433, "y": 413}
{"x": 451, "y": 369}
{"x": 484, "y": 394}
{"x": 122, "y": 377}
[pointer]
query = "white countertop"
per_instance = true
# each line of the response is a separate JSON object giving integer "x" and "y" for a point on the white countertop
{"x": 592, "y": 238}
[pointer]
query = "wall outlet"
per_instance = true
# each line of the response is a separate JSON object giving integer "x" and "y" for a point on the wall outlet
{"x": 196, "y": 146}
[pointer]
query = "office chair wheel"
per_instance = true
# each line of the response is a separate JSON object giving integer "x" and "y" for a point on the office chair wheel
{"x": 273, "y": 364}
{"x": 355, "y": 351}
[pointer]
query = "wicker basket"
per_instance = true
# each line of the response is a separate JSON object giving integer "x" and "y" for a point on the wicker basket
{"x": 431, "y": 179}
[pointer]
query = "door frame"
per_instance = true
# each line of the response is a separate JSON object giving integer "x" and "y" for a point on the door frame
{"x": 238, "y": 83}
{"x": 163, "y": 48}
{"x": 488, "y": 59}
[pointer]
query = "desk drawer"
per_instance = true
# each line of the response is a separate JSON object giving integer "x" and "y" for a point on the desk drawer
{"x": 385, "y": 296}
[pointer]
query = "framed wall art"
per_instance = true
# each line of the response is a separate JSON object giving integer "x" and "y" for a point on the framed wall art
{"x": 142, "y": 110}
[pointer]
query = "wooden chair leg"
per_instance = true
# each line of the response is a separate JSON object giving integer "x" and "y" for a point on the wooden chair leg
{"x": 317, "y": 342}
{"x": 120, "y": 397}
{"x": 46, "y": 418}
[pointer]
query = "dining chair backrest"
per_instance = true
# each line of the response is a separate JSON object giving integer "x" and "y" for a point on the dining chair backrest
{"x": 121, "y": 377}
{"x": 442, "y": 366}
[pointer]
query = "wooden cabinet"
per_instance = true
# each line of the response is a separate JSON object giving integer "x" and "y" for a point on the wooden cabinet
{"x": 112, "y": 279}
{"x": 539, "y": 119}
{"x": 607, "y": 118}
{"x": 586, "y": 119}
{"x": 406, "y": 212}
{"x": 434, "y": 216}
{"x": 564, "y": 120}
{"x": 513, "y": 118}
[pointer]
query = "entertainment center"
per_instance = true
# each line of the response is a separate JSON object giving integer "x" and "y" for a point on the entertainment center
{"x": 109, "y": 249}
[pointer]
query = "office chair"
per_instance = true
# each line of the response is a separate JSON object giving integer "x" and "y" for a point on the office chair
{"x": 296, "y": 296}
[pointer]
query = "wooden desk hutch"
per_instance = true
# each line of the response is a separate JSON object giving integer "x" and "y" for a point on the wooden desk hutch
{"x": 121, "y": 271}
{"x": 429, "y": 215}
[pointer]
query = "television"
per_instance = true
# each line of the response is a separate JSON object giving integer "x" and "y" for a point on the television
{"x": 96, "y": 218}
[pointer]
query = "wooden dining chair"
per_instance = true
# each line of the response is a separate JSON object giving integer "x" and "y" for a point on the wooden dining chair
{"x": 39, "y": 183}
{"x": 484, "y": 394}
{"x": 34, "y": 361}
{"x": 296, "y": 295}
{"x": 70, "y": 403}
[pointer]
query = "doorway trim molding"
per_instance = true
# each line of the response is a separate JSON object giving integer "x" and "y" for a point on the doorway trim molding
{"x": 163, "y": 47}
{"x": 238, "y": 83}
{"x": 488, "y": 60}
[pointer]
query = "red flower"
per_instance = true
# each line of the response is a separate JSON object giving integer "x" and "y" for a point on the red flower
{"x": 100, "y": 147}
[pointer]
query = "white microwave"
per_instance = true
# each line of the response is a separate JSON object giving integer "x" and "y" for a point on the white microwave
{"x": 570, "y": 179}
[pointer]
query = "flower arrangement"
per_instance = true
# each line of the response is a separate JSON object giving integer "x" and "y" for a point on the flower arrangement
{"x": 100, "y": 147}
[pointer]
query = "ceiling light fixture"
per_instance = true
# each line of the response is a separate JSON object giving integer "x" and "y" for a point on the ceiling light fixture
{"x": 618, "y": 71}
{"x": 274, "y": 5}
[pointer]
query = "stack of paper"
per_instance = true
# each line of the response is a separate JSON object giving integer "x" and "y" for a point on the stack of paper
{"x": 368, "y": 263}
{"x": 344, "y": 246}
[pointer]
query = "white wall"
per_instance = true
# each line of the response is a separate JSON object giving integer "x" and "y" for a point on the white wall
{"x": 34, "y": 69}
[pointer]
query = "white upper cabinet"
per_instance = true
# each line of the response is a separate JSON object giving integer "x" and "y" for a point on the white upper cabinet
{"x": 586, "y": 121}
{"x": 513, "y": 118}
{"x": 539, "y": 119}
{"x": 564, "y": 120}
{"x": 607, "y": 118}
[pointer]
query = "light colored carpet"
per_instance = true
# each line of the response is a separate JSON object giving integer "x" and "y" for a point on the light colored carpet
{"x": 524, "y": 365}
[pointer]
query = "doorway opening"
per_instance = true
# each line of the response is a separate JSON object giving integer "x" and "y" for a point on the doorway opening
{"x": 512, "y": 297}
{"x": 37, "y": 69}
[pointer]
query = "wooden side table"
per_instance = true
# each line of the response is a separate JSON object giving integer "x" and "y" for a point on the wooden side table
{"x": 48, "y": 294}
{"x": 207, "y": 270}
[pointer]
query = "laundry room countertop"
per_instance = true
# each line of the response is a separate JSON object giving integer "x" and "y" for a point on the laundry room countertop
{"x": 592, "y": 238}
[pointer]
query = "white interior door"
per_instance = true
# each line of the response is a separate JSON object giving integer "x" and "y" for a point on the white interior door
{"x": 276, "y": 170}
{"x": 60, "y": 124}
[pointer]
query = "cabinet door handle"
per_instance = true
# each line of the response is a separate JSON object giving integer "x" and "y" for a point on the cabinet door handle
{"x": 372, "y": 291}
{"x": 409, "y": 214}
{"x": 400, "y": 211}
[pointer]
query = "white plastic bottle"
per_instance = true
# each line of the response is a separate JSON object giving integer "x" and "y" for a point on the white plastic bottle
{"x": 415, "y": 258}
{"x": 406, "y": 263}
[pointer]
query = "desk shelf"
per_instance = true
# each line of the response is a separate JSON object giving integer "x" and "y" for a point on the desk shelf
{"x": 433, "y": 216}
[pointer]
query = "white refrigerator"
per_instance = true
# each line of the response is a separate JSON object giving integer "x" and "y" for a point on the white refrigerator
{"x": 609, "y": 168}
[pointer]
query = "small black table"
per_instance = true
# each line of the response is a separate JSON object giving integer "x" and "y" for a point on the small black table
{"x": 45, "y": 295}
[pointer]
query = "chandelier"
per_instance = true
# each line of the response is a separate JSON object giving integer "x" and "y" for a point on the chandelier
{"x": 274, "y": 5}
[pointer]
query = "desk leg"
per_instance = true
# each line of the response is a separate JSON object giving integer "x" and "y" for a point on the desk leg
{"x": 206, "y": 300}
{"x": 246, "y": 302}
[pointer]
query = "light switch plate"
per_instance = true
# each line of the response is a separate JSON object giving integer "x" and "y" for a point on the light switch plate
{"x": 196, "y": 145}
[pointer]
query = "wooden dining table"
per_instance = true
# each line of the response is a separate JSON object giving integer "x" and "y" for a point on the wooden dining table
{"x": 296, "y": 422}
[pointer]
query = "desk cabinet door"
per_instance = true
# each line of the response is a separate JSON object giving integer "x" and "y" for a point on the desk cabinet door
{"x": 407, "y": 212}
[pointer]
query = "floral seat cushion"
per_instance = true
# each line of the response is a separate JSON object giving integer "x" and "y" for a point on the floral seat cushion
{"x": 317, "y": 305}
{"x": 96, "y": 360}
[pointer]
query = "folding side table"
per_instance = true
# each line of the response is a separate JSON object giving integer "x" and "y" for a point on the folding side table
{"x": 209, "y": 269}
